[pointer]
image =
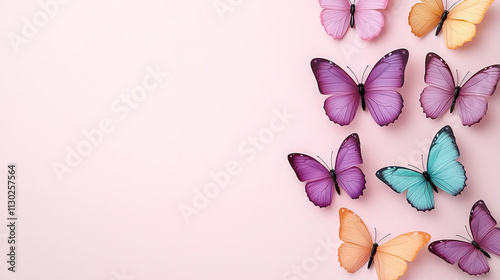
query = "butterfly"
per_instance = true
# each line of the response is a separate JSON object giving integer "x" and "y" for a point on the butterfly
{"x": 378, "y": 93}
{"x": 321, "y": 181}
{"x": 389, "y": 258}
{"x": 458, "y": 23}
{"x": 469, "y": 98}
{"x": 471, "y": 256}
{"x": 338, "y": 15}
{"x": 443, "y": 172}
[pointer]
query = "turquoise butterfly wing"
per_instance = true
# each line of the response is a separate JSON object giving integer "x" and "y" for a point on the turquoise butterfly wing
{"x": 443, "y": 172}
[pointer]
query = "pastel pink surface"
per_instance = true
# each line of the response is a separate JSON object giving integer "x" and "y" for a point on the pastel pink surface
{"x": 239, "y": 97}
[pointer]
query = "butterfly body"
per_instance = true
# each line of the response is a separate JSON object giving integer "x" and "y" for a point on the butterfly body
{"x": 443, "y": 172}
{"x": 352, "y": 10}
{"x": 372, "y": 254}
{"x": 440, "y": 24}
{"x": 378, "y": 93}
{"x": 321, "y": 180}
{"x": 472, "y": 256}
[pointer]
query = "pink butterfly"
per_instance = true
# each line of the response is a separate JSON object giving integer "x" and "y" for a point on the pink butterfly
{"x": 468, "y": 98}
{"x": 338, "y": 15}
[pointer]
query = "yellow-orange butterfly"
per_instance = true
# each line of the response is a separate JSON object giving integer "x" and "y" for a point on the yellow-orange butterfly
{"x": 389, "y": 258}
{"x": 458, "y": 23}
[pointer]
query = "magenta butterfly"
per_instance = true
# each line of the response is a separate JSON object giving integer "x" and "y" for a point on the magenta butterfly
{"x": 321, "y": 181}
{"x": 471, "y": 256}
{"x": 378, "y": 93}
{"x": 338, "y": 15}
{"x": 468, "y": 98}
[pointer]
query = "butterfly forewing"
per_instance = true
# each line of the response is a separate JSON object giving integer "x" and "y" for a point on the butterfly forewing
{"x": 453, "y": 251}
{"x": 355, "y": 252}
{"x": 368, "y": 20}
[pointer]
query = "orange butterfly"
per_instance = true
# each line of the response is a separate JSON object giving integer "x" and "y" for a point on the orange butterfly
{"x": 389, "y": 258}
{"x": 458, "y": 24}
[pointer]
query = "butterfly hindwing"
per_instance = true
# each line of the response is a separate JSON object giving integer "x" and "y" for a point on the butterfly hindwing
{"x": 468, "y": 257}
{"x": 356, "y": 249}
{"x": 425, "y": 16}
{"x": 369, "y": 21}
{"x": 349, "y": 176}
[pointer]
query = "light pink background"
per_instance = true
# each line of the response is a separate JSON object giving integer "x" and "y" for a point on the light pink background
{"x": 116, "y": 215}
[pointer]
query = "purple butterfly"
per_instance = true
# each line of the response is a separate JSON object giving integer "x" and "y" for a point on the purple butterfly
{"x": 378, "y": 93}
{"x": 471, "y": 256}
{"x": 469, "y": 99}
{"x": 321, "y": 181}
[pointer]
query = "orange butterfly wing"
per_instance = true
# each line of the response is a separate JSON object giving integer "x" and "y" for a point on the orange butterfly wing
{"x": 425, "y": 16}
{"x": 391, "y": 257}
{"x": 357, "y": 246}
{"x": 459, "y": 27}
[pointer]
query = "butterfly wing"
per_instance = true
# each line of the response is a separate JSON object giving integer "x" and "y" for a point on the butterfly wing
{"x": 437, "y": 97}
{"x": 483, "y": 228}
{"x": 425, "y": 16}
{"x": 319, "y": 186}
{"x": 383, "y": 101}
{"x": 350, "y": 177}
{"x": 391, "y": 257}
{"x": 343, "y": 103}
{"x": 471, "y": 103}
{"x": 400, "y": 179}
{"x": 444, "y": 170}
{"x": 469, "y": 259}
{"x": 335, "y": 17}
{"x": 367, "y": 19}
{"x": 459, "y": 27}
{"x": 356, "y": 249}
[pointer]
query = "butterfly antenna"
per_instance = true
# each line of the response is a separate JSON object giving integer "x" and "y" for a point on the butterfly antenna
{"x": 461, "y": 83}
{"x": 324, "y": 162}
{"x": 362, "y": 77}
{"x": 466, "y": 229}
{"x": 383, "y": 238}
{"x": 357, "y": 81}
{"x": 416, "y": 168}
{"x": 464, "y": 238}
{"x": 331, "y": 159}
{"x": 375, "y": 234}
{"x": 422, "y": 157}
{"x": 452, "y": 5}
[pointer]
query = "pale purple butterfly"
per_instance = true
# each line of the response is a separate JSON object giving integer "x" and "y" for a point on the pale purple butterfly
{"x": 468, "y": 98}
{"x": 321, "y": 181}
{"x": 378, "y": 93}
{"x": 471, "y": 256}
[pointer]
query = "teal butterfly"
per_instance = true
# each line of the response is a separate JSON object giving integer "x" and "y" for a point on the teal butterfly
{"x": 443, "y": 172}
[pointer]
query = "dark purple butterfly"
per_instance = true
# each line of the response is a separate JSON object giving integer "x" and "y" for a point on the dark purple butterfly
{"x": 471, "y": 256}
{"x": 321, "y": 181}
{"x": 378, "y": 93}
{"x": 469, "y": 98}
